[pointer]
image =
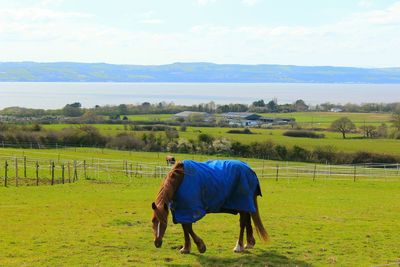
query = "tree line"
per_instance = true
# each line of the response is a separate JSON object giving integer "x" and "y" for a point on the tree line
{"x": 272, "y": 106}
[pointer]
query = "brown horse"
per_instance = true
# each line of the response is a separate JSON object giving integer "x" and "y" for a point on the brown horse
{"x": 165, "y": 197}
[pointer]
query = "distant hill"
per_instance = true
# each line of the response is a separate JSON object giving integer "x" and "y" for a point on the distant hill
{"x": 191, "y": 72}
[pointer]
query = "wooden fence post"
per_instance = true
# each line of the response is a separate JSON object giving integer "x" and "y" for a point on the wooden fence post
{"x": 5, "y": 173}
{"x": 84, "y": 169}
{"x": 131, "y": 170}
{"x": 75, "y": 172}
{"x": 98, "y": 168}
{"x": 52, "y": 173}
{"x": 24, "y": 166}
{"x": 37, "y": 173}
{"x": 354, "y": 173}
{"x": 69, "y": 171}
{"x": 16, "y": 172}
{"x": 315, "y": 172}
{"x": 277, "y": 172}
{"x": 62, "y": 173}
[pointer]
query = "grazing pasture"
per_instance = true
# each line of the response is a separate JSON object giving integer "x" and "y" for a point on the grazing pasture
{"x": 310, "y": 223}
{"x": 324, "y": 119}
{"x": 353, "y": 143}
{"x": 107, "y": 222}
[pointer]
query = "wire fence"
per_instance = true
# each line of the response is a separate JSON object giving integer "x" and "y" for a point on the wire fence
{"x": 23, "y": 170}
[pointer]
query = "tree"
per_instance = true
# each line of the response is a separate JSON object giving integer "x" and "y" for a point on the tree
{"x": 171, "y": 134}
{"x": 382, "y": 130}
{"x": 369, "y": 131}
{"x": 123, "y": 109}
{"x": 343, "y": 125}
{"x": 396, "y": 121}
{"x": 300, "y": 105}
{"x": 72, "y": 110}
{"x": 272, "y": 106}
{"x": 259, "y": 103}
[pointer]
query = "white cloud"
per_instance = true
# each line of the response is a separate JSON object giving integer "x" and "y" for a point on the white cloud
{"x": 365, "y": 3}
{"x": 250, "y": 2}
{"x": 205, "y": 2}
{"x": 151, "y": 21}
{"x": 35, "y": 14}
{"x": 46, "y": 3}
{"x": 365, "y": 39}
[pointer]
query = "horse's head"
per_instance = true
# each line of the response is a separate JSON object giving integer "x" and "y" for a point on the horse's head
{"x": 160, "y": 222}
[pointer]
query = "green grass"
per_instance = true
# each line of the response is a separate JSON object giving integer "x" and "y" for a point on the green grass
{"x": 324, "y": 119}
{"x": 353, "y": 143}
{"x": 310, "y": 223}
{"x": 98, "y": 222}
{"x": 150, "y": 117}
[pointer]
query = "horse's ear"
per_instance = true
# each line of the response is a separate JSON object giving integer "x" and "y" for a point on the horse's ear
{"x": 153, "y": 206}
{"x": 165, "y": 206}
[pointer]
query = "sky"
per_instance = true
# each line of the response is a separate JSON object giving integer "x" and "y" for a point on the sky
{"x": 360, "y": 33}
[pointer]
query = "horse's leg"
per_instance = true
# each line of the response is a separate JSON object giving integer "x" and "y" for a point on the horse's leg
{"x": 239, "y": 245}
{"x": 197, "y": 240}
{"x": 251, "y": 241}
{"x": 186, "y": 248}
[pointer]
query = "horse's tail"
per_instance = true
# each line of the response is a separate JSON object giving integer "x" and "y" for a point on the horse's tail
{"x": 255, "y": 216}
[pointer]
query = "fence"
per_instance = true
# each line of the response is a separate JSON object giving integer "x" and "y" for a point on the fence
{"x": 21, "y": 170}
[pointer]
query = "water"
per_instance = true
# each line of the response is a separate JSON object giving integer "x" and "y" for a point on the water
{"x": 56, "y": 95}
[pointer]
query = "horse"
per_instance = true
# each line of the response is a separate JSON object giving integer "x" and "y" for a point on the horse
{"x": 170, "y": 160}
{"x": 193, "y": 189}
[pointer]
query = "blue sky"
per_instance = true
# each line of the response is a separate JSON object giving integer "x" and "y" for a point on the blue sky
{"x": 362, "y": 33}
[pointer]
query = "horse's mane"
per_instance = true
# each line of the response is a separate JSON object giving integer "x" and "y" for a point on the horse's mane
{"x": 170, "y": 185}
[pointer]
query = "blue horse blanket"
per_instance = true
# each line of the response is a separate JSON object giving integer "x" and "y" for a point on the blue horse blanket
{"x": 214, "y": 186}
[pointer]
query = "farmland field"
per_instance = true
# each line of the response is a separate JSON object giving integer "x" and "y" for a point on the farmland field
{"x": 90, "y": 222}
{"x": 324, "y": 119}
{"x": 353, "y": 143}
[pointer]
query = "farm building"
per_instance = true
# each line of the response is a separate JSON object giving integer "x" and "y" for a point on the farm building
{"x": 192, "y": 115}
{"x": 336, "y": 110}
{"x": 242, "y": 118}
{"x": 276, "y": 121}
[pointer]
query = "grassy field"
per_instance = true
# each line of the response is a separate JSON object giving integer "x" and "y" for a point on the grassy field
{"x": 324, "y": 119}
{"x": 306, "y": 119}
{"x": 97, "y": 222}
{"x": 150, "y": 117}
{"x": 310, "y": 224}
{"x": 353, "y": 143}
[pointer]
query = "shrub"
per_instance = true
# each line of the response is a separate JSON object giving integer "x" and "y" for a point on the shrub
{"x": 299, "y": 154}
{"x": 126, "y": 142}
{"x": 281, "y": 151}
{"x": 325, "y": 154}
{"x": 222, "y": 146}
{"x": 238, "y": 131}
{"x": 205, "y": 138}
{"x": 367, "y": 157}
{"x": 307, "y": 134}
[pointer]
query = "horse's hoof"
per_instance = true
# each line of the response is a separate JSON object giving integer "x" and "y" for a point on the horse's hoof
{"x": 184, "y": 251}
{"x": 202, "y": 248}
{"x": 249, "y": 246}
{"x": 238, "y": 248}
